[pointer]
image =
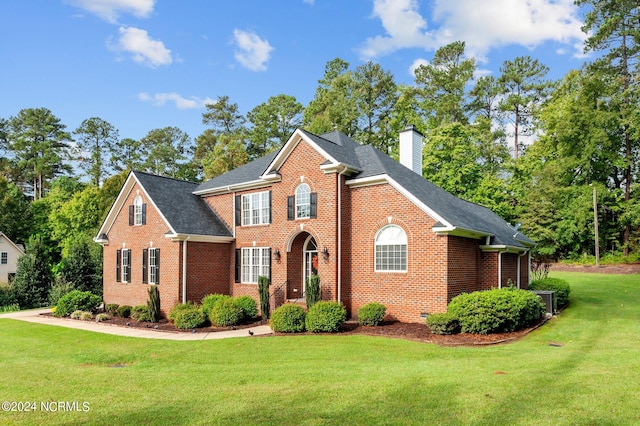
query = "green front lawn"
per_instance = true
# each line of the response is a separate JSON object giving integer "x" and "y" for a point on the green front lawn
{"x": 580, "y": 368}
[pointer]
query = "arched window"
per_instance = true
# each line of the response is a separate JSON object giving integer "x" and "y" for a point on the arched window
{"x": 137, "y": 206}
{"x": 391, "y": 249}
{"x": 303, "y": 201}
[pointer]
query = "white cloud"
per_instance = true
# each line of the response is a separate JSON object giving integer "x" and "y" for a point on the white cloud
{"x": 110, "y": 10}
{"x": 482, "y": 26}
{"x": 414, "y": 66}
{"x": 144, "y": 49}
{"x": 159, "y": 99}
{"x": 253, "y": 51}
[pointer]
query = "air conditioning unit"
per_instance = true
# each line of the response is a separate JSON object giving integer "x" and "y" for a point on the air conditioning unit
{"x": 549, "y": 299}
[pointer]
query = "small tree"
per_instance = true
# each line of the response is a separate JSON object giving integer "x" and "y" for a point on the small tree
{"x": 312, "y": 290}
{"x": 263, "y": 289}
{"x": 153, "y": 304}
{"x": 81, "y": 268}
{"x": 33, "y": 276}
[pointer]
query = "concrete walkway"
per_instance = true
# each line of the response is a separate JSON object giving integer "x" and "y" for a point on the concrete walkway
{"x": 34, "y": 316}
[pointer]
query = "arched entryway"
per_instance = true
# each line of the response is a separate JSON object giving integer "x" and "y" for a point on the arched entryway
{"x": 302, "y": 262}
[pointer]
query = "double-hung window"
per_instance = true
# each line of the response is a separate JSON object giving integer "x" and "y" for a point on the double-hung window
{"x": 255, "y": 208}
{"x": 4, "y": 258}
{"x": 391, "y": 249}
{"x": 256, "y": 261}
{"x": 123, "y": 265}
{"x": 151, "y": 266}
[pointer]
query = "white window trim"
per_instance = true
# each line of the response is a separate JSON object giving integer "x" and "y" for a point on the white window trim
{"x": 125, "y": 267}
{"x": 137, "y": 211}
{"x": 399, "y": 245}
{"x": 152, "y": 266}
{"x": 254, "y": 263}
{"x": 304, "y": 205}
{"x": 253, "y": 215}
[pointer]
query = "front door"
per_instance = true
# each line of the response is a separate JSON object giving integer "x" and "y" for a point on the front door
{"x": 310, "y": 266}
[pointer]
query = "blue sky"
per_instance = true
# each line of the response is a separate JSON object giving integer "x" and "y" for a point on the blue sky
{"x": 147, "y": 64}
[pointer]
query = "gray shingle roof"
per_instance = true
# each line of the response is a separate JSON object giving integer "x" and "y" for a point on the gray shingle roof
{"x": 185, "y": 212}
{"x": 245, "y": 173}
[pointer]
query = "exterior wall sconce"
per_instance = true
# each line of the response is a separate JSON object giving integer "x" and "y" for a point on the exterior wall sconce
{"x": 277, "y": 254}
{"x": 325, "y": 253}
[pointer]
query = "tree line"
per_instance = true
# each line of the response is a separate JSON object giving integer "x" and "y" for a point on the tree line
{"x": 531, "y": 149}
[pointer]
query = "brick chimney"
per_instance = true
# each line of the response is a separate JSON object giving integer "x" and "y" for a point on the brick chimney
{"x": 411, "y": 149}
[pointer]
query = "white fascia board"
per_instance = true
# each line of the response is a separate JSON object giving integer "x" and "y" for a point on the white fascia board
{"x": 503, "y": 248}
{"x": 119, "y": 204}
{"x": 252, "y": 184}
{"x": 338, "y": 167}
{"x": 461, "y": 232}
{"x": 385, "y": 178}
{"x": 199, "y": 238}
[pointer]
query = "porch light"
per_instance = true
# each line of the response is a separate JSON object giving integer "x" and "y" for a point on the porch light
{"x": 325, "y": 253}
{"x": 277, "y": 254}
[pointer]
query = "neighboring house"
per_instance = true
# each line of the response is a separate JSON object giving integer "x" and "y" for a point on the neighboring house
{"x": 371, "y": 228}
{"x": 9, "y": 254}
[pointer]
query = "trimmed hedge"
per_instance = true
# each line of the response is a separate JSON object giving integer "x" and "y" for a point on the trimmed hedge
{"x": 181, "y": 307}
{"x": 189, "y": 318}
{"x": 325, "y": 316}
{"x": 123, "y": 311}
{"x": 77, "y": 300}
{"x": 496, "y": 311}
{"x": 248, "y": 305}
{"x": 209, "y": 301}
{"x": 288, "y": 318}
{"x": 225, "y": 313}
{"x": 111, "y": 308}
{"x": 561, "y": 287}
{"x": 140, "y": 313}
{"x": 443, "y": 323}
{"x": 371, "y": 313}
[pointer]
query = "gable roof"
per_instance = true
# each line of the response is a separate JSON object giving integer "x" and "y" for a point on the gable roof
{"x": 369, "y": 166}
{"x": 18, "y": 247}
{"x": 185, "y": 214}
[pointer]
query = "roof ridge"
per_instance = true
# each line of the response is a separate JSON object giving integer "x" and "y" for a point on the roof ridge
{"x": 136, "y": 172}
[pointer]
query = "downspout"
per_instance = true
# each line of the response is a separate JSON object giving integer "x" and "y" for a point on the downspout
{"x": 184, "y": 270}
{"x": 500, "y": 253}
{"x": 339, "y": 233}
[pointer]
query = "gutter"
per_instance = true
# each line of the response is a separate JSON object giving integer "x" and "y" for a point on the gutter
{"x": 184, "y": 270}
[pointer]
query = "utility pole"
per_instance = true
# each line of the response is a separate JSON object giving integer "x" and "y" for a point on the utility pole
{"x": 595, "y": 226}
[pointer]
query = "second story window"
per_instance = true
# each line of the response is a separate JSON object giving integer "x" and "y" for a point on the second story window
{"x": 253, "y": 209}
{"x": 137, "y": 203}
{"x": 303, "y": 201}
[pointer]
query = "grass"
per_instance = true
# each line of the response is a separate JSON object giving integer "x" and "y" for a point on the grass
{"x": 580, "y": 368}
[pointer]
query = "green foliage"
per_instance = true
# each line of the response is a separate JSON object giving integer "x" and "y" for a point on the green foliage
{"x": 75, "y": 314}
{"x": 9, "y": 308}
{"x": 123, "y": 311}
{"x": 312, "y": 290}
{"x": 7, "y": 295}
{"x": 288, "y": 318}
{"x": 248, "y": 306}
{"x": 225, "y": 313}
{"x": 325, "y": 316}
{"x": 111, "y": 308}
{"x": 371, "y": 314}
{"x": 33, "y": 276}
{"x": 77, "y": 300}
{"x": 140, "y": 313}
{"x": 80, "y": 265}
{"x": 86, "y": 316}
{"x": 188, "y": 316}
{"x": 263, "y": 290}
{"x": 209, "y": 301}
{"x": 15, "y": 211}
{"x": 97, "y": 138}
{"x": 496, "y": 311}
{"x": 153, "y": 304}
{"x": 443, "y": 323}
{"x": 102, "y": 317}
{"x": 59, "y": 289}
{"x": 181, "y": 307}
{"x": 560, "y": 286}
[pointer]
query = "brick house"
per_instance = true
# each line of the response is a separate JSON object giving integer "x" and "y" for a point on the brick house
{"x": 9, "y": 254}
{"x": 372, "y": 228}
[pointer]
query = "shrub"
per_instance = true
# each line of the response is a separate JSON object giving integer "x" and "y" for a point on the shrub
{"x": 496, "y": 311}
{"x": 123, "y": 311}
{"x": 325, "y": 316}
{"x": 86, "y": 316}
{"x": 312, "y": 291}
{"x": 102, "y": 317}
{"x": 248, "y": 306}
{"x": 225, "y": 313}
{"x": 263, "y": 290}
{"x": 209, "y": 301}
{"x": 288, "y": 318}
{"x": 76, "y": 314}
{"x": 180, "y": 307}
{"x": 59, "y": 289}
{"x": 189, "y": 318}
{"x": 9, "y": 308}
{"x": 77, "y": 300}
{"x": 561, "y": 287}
{"x": 371, "y": 313}
{"x": 140, "y": 313}
{"x": 111, "y": 308}
{"x": 153, "y": 304}
{"x": 444, "y": 323}
{"x": 7, "y": 295}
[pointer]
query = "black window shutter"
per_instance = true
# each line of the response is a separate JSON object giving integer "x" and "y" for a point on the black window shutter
{"x": 144, "y": 213}
{"x": 269, "y": 256}
{"x": 157, "y": 266}
{"x": 118, "y": 261}
{"x": 145, "y": 259}
{"x": 131, "y": 215}
{"x": 291, "y": 202}
{"x": 238, "y": 209}
{"x": 238, "y": 254}
{"x": 269, "y": 207}
{"x": 313, "y": 198}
